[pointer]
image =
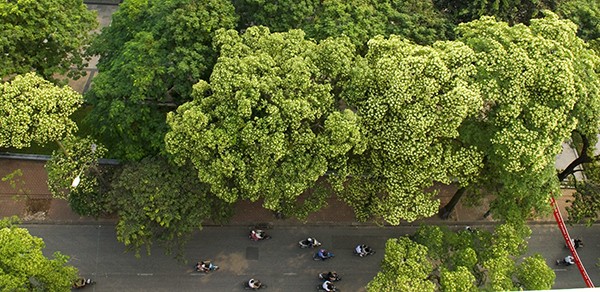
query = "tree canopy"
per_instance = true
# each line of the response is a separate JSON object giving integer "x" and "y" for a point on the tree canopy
{"x": 437, "y": 258}
{"x": 23, "y": 267}
{"x": 150, "y": 56}
{"x": 45, "y": 36}
{"x": 411, "y": 100}
{"x": 359, "y": 20}
{"x": 78, "y": 159}
{"x": 156, "y": 200}
{"x": 35, "y": 110}
{"x": 586, "y": 15}
{"x": 511, "y": 11}
{"x": 534, "y": 81}
{"x": 405, "y": 267}
{"x": 268, "y": 125}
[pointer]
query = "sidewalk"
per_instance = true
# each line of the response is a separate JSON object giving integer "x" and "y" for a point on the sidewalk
{"x": 31, "y": 200}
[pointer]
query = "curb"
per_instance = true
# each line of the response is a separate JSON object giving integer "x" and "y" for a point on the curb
{"x": 274, "y": 224}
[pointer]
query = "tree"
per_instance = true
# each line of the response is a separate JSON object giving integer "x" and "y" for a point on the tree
{"x": 586, "y": 15}
{"x": 459, "y": 280}
{"x": 405, "y": 267}
{"x": 278, "y": 16}
{"x": 46, "y": 36}
{"x": 534, "y": 274}
{"x": 34, "y": 110}
{"x": 411, "y": 100}
{"x": 25, "y": 268}
{"x": 156, "y": 200}
{"x": 150, "y": 56}
{"x": 586, "y": 200}
{"x": 511, "y": 11}
{"x": 536, "y": 85}
{"x": 268, "y": 124}
{"x": 78, "y": 160}
{"x": 359, "y": 20}
{"x": 464, "y": 260}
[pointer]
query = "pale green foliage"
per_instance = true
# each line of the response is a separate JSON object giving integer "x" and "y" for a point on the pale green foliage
{"x": 405, "y": 267}
{"x": 267, "y": 126}
{"x": 509, "y": 239}
{"x": 411, "y": 100}
{"x": 45, "y": 36}
{"x": 433, "y": 235}
{"x": 35, "y": 110}
{"x": 460, "y": 280}
{"x": 467, "y": 260}
{"x": 534, "y": 274}
{"x": 532, "y": 80}
{"x": 78, "y": 157}
{"x": 156, "y": 200}
{"x": 499, "y": 273}
{"x": 23, "y": 267}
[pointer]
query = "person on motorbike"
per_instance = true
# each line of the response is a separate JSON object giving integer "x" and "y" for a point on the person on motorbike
{"x": 323, "y": 254}
{"x": 331, "y": 276}
{"x": 258, "y": 234}
{"x": 203, "y": 266}
{"x": 328, "y": 286}
{"x": 310, "y": 242}
{"x": 254, "y": 284}
{"x": 568, "y": 260}
{"x": 362, "y": 250}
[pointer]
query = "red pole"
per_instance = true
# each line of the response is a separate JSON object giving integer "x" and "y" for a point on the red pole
{"x": 565, "y": 233}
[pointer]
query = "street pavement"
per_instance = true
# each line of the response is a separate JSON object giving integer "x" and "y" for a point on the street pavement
{"x": 278, "y": 262}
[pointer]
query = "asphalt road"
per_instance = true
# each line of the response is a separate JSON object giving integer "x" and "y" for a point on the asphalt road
{"x": 277, "y": 262}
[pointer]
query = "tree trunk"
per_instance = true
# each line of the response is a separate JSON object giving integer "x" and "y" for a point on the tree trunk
{"x": 583, "y": 158}
{"x": 447, "y": 210}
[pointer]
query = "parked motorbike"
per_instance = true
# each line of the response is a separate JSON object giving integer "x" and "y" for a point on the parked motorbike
{"x": 325, "y": 255}
{"x": 205, "y": 266}
{"x": 83, "y": 282}
{"x": 333, "y": 277}
{"x": 258, "y": 234}
{"x": 309, "y": 242}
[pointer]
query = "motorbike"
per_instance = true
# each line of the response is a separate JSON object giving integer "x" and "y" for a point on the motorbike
{"x": 247, "y": 286}
{"x": 211, "y": 267}
{"x": 325, "y": 277}
{"x": 258, "y": 234}
{"x": 83, "y": 282}
{"x": 577, "y": 243}
{"x": 563, "y": 262}
{"x": 326, "y": 255}
{"x": 366, "y": 251}
{"x": 334, "y": 289}
{"x": 305, "y": 243}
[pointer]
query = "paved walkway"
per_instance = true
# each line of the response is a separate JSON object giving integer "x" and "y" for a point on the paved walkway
{"x": 28, "y": 197}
